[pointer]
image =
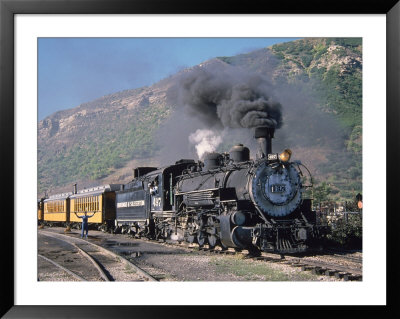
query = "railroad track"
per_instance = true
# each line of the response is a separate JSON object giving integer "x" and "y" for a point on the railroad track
{"x": 344, "y": 255}
{"x": 326, "y": 267}
{"x": 93, "y": 269}
{"x": 96, "y": 255}
{"x": 66, "y": 270}
{"x": 317, "y": 267}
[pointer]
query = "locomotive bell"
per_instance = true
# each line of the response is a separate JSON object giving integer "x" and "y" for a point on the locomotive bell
{"x": 239, "y": 153}
{"x": 263, "y": 135}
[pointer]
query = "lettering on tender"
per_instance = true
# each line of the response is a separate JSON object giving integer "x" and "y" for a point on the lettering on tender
{"x": 135, "y": 203}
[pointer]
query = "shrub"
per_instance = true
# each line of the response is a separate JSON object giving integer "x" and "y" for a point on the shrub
{"x": 306, "y": 59}
{"x": 346, "y": 233}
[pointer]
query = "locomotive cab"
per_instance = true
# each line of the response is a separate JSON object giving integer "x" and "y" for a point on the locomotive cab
{"x": 160, "y": 184}
{"x": 146, "y": 201}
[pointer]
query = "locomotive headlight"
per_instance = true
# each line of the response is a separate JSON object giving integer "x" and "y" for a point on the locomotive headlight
{"x": 285, "y": 155}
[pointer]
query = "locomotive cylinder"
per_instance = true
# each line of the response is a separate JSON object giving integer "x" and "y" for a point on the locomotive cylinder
{"x": 264, "y": 136}
{"x": 238, "y": 218}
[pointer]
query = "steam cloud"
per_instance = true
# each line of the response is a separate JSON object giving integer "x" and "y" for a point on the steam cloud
{"x": 229, "y": 98}
{"x": 215, "y": 96}
{"x": 206, "y": 141}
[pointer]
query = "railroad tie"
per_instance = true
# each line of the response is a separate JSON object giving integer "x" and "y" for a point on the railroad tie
{"x": 319, "y": 270}
{"x": 306, "y": 267}
{"x": 340, "y": 274}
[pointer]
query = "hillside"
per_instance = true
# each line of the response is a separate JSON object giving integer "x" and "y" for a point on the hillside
{"x": 317, "y": 81}
{"x": 97, "y": 138}
{"x": 326, "y": 74}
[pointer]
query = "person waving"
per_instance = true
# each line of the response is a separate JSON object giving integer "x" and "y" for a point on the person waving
{"x": 85, "y": 224}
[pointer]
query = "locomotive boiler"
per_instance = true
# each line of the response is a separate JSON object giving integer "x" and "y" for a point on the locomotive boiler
{"x": 228, "y": 200}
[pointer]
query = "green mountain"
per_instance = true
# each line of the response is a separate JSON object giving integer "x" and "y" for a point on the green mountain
{"x": 88, "y": 143}
{"x": 329, "y": 73}
{"x": 317, "y": 81}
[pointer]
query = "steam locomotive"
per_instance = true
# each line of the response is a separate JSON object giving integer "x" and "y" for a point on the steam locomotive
{"x": 228, "y": 200}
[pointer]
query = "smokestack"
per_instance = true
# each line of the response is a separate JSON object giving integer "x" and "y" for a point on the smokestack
{"x": 263, "y": 135}
{"x": 75, "y": 189}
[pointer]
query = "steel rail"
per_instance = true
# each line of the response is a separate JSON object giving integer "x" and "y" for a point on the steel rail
{"x": 118, "y": 257}
{"x": 63, "y": 268}
{"x": 95, "y": 263}
{"x": 343, "y": 255}
{"x": 330, "y": 266}
{"x": 86, "y": 255}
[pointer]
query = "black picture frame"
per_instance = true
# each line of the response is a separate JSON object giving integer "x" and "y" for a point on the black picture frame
{"x": 8, "y": 10}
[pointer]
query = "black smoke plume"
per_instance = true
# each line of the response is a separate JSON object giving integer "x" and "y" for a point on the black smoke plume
{"x": 228, "y": 98}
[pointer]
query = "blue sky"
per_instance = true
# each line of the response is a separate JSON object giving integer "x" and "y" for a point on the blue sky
{"x": 72, "y": 71}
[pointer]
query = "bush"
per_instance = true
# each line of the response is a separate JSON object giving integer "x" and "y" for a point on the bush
{"x": 306, "y": 59}
{"x": 347, "y": 233}
{"x": 280, "y": 55}
{"x": 348, "y": 42}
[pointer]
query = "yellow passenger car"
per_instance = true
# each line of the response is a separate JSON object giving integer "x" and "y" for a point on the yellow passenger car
{"x": 40, "y": 210}
{"x": 56, "y": 209}
{"x": 99, "y": 201}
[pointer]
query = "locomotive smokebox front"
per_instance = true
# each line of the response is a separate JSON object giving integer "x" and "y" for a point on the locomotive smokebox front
{"x": 276, "y": 185}
{"x": 264, "y": 136}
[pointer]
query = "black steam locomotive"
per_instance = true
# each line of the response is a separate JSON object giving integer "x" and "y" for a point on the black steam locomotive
{"x": 227, "y": 200}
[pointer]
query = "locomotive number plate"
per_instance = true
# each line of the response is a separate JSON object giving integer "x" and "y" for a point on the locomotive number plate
{"x": 272, "y": 157}
{"x": 278, "y": 188}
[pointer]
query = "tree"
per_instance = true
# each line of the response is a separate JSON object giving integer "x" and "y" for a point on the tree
{"x": 321, "y": 193}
